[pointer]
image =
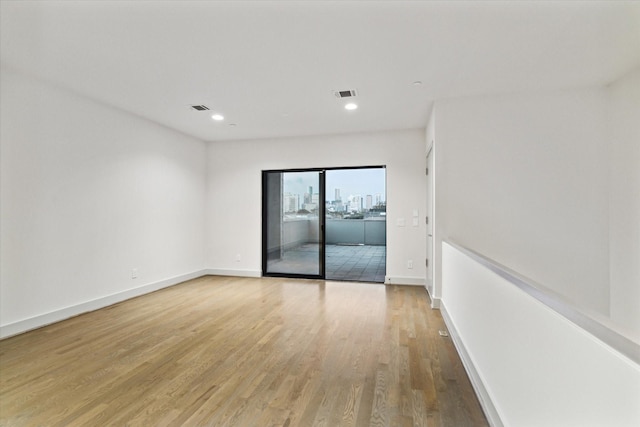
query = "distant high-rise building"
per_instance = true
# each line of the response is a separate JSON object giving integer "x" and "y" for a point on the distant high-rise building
{"x": 290, "y": 202}
{"x": 308, "y": 197}
{"x": 355, "y": 203}
{"x": 369, "y": 204}
{"x": 378, "y": 198}
{"x": 337, "y": 196}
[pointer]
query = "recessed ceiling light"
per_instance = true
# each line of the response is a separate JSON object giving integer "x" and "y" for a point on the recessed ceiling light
{"x": 417, "y": 83}
{"x": 217, "y": 117}
{"x": 351, "y": 106}
{"x": 233, "y": 124}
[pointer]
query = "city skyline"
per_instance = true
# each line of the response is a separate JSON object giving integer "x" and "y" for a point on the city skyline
{"x": 349, "y": 182}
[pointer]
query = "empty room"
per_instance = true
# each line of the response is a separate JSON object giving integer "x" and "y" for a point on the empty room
{"x": 319, "y": 213}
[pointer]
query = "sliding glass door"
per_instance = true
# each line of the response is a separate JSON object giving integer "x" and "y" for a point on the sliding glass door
{"x": 293, "y": 232}
{"x": 336, "y": 235}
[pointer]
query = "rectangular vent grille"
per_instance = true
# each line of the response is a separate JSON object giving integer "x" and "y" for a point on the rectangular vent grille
{"x": 345, "y": 93}
{"x": 200, "y": 107}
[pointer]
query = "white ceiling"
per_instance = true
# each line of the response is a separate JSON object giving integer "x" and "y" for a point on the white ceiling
{"x": 271, "y": 67}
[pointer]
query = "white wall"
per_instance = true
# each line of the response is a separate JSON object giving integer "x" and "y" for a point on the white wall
{"x": 87, "y": 194}
{"x": 523, "y": 180}
{"x": 536, "y": 367}
{"x": 234, "y": 193}
{"x": 624, "y": 200}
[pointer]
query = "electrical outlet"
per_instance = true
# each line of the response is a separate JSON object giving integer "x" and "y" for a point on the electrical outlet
{"x": 237, "y": 257}
{"x": 134, "y": 273}
{"x": 410, "y": 263}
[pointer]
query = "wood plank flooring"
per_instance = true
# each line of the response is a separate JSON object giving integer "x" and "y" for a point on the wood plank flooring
{"x": 221, "y": 351}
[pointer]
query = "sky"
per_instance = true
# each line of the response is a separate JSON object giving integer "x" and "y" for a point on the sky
{"x": 349, "y": 181}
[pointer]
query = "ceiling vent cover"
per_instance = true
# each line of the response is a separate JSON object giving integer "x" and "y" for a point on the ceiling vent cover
{"x": 200, "y": 107}
{"x": 345, "y": 93}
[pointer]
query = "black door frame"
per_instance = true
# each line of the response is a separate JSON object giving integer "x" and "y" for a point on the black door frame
{"x": 321, "y": 217}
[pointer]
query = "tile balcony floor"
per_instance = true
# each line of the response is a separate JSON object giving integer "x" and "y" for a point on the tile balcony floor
{"x": 362, "y": 263}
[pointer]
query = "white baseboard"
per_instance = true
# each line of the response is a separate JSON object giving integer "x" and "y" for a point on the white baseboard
{"x": 411, "y": 281}
{"x": 483, "y": 396}
{"x": 67, "y": 312}
{"x": 235, "y": 273}
{"x": 435, "y": 301}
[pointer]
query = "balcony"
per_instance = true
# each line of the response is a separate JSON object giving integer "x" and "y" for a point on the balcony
{"x": 355, "y": 248}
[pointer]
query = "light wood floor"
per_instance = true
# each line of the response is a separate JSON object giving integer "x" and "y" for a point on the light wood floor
{"x": 243, "y": 352}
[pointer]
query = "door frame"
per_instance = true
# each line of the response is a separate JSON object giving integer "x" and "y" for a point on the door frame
{"x": 429, "y": 218}
{"x": 321, "y": 223}
{"x": 321, "y": 217}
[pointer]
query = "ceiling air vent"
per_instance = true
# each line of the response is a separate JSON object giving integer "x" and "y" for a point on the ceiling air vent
{"x": 345, "y": 93}
{"x": 200, "y": 107}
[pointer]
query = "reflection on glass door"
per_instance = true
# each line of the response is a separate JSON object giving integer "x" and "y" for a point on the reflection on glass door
{"x": 293, "y": 204}
{"x": 356, "y": 230}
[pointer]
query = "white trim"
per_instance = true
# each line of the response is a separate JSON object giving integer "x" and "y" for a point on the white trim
{"x": 435, "y": 301}
{"x": 41, "y": 320}
{"x": 411, "y": 281}
{"x": 235, "y": 273}
{"x": 601, "y": 327}
{"x": 483, "y": 396}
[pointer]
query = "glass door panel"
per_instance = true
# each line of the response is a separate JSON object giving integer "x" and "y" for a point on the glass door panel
{"x": 356, "y": 230}
{"x": 293, "y": 205}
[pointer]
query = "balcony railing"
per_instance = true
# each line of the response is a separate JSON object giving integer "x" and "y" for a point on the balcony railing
{"x": 298, "y": 231}
{"x": 356, "y": 232}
